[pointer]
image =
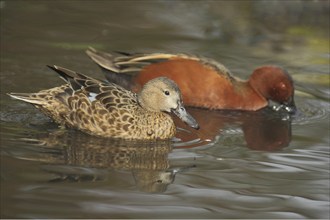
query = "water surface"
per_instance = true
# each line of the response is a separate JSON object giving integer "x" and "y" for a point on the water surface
{"x": 262, "y": 164}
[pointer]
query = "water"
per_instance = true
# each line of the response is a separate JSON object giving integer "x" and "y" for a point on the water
{"x": 240, "y": 165}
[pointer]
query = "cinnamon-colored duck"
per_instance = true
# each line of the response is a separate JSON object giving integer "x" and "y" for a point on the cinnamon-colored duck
{"x": 203, "y": 82}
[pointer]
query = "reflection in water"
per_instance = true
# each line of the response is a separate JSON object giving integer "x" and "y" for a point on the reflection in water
{"x": 264, "y": 130}
{"x": 230, "y": 180}
{"x": 148, "y": 160}
{"x": 267, "y": 133}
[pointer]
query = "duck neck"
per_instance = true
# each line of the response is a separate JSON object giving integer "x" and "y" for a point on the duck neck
{"x": 158, "y": 125}
{"x": 145, "y": 103}
{"x": 244, "y": 96}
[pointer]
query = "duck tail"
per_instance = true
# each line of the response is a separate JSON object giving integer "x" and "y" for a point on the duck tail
{"x": 113, "y": 72}
{"x": 104, "y": 60}
{"x": 27, "y": 97}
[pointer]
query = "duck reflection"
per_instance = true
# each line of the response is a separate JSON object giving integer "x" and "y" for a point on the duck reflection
{"x": 263, "y": 130}
{"x": 147, "y": 160}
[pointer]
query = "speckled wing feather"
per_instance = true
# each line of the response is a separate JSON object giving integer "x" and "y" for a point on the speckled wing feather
{"x": 100, "y": 108}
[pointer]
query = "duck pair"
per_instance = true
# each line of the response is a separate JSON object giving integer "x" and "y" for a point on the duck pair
{"x": 110, "y": 109}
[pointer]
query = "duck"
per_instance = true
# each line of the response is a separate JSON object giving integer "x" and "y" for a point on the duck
{"x": 204, "y": 82}
{"x": 108, "y": 110}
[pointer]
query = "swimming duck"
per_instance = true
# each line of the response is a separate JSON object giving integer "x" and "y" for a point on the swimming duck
{"x": 203, "y": 82}
{"x": 108, "y": 110}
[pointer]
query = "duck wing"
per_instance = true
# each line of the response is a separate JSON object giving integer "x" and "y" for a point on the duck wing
{"x": 121, "y": 67}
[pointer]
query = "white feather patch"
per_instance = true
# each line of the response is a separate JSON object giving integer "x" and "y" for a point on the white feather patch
{"x": 92, "y": 96}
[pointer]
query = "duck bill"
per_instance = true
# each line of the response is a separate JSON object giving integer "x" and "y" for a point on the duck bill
{"x": 290, "y": 107}
{"x": 181, "y": 112}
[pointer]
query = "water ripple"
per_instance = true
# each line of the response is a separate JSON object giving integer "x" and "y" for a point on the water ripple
{"x": 311, "y": 111}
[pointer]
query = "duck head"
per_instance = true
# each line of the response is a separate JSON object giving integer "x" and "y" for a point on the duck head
{"x": 275, "y": 84}
{"x": 163, "y": 95}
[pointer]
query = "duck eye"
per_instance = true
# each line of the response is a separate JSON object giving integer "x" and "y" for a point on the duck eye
{"x": 166, "y": 92}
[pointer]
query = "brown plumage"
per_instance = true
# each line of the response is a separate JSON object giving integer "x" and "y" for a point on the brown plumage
{"x": 108, "y": 110}
{"x": 203, "y": 82}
